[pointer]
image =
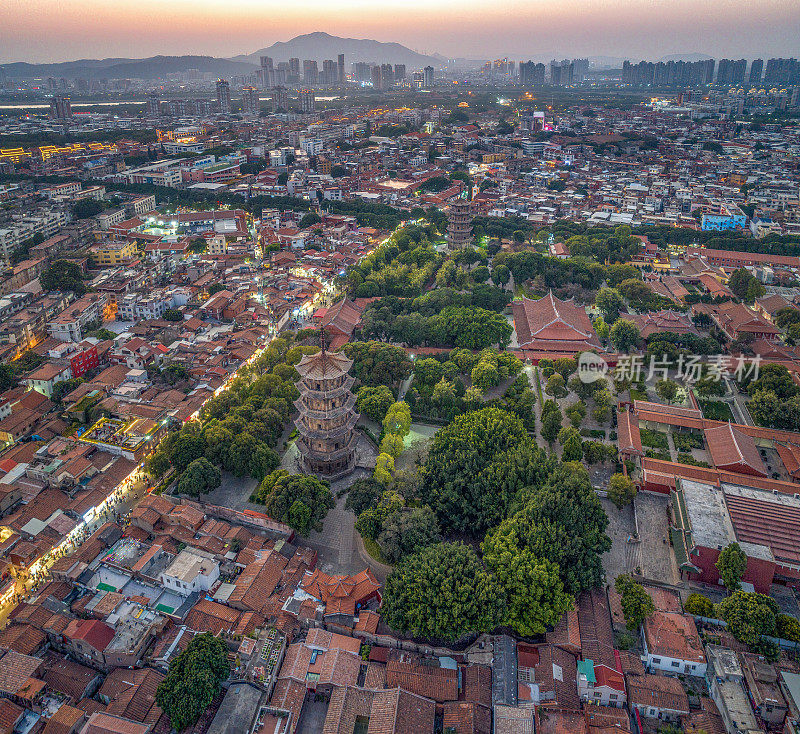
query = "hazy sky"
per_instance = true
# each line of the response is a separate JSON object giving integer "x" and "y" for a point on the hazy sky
{"x": 59, "y": 30}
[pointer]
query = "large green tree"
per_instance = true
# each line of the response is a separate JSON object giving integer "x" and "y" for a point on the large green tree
{"x": 563, "y": 521}
{"x": 441, "y": 592}
{"x": 533, "y": 591}
{"x": 624, "y": 334}
{"x": 610, "y": 302}
{"x": 280, "y": 492}
{"x": 377, "y": 363}
{"x": 63, "y": 275}
{"x": 374, "y": 401}
{"x": 637, "y": 604}
{"x": 621, "y": 490}
{"x": 407, "y": 530}
{"x": 398, "y": 419}
{"x": 699, "y": 605}
{"x": 460, "y": 478}
{"x": 749, "y": 616}
{"x": 551, "y": 424}
{"x": 363, "y": 493}
{"x": 201, "y": 476}
{"x": 471, "y": 328}
{"x": 193, "y": 680}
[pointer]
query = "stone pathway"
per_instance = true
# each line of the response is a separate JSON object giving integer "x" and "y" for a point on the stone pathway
{"x": 336, "y": 544}
{"x": 673, "y": 454}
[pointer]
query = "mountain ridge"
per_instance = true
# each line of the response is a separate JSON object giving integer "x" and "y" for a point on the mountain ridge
{"x": 152, "y": 67}
{"x": 319, "y": 45}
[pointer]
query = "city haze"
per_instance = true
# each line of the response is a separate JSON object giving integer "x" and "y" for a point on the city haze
{"x": 41, "y": 31}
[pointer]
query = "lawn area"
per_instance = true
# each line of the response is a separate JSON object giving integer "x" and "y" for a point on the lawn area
{"x": 418, "y": 432}
{"x": 716, "y": 410}
{"x": 654, "y": 439}
{"x": 637, "y": 394}
{"x": 374, "y": 550}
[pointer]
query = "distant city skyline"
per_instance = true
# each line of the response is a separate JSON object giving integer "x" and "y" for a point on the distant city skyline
{"x": 39, "y": 31}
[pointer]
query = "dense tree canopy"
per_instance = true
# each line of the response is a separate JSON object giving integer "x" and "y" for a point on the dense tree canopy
{"x": 373, "y": 402}
{"x": 564, "y": 522}
{"x": 301, "y": 501}
{"x": 475, "y": 467}
{"x": 407, "y": 530}
{"x": 472, "y": 328}
{"x": 63, "y": 275}
{"x": 749, "y": 616}
{"x": 441, "y": 592}
{"x": 193, "y": 680}
{"x": 376, "y": 363}
{"x": 533, "y": 592}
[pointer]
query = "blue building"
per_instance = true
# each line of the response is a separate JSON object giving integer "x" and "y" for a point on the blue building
{"x": 726, "y": 217}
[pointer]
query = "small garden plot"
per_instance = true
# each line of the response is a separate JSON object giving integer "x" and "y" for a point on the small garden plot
{"x": 654, "y": 439}
{"x": 687, "y": 441}
{"x": 716, "y": 410}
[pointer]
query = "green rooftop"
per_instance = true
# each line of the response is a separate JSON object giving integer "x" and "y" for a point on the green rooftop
{"x": 586, "y": 669}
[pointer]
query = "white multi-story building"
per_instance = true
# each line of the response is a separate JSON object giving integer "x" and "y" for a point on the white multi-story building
{"x": 108, "y": 219}
{"x": 313, "y": 146}
{"x": 140, "y": 205}
{"x": 68, "y": 326}
{"x": 216, "y": 245}
{"x": 46, "y": 222}
{"x": 193, "y": 570}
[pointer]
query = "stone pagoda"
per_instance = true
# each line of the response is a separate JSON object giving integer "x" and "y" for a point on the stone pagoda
{"x": 326, "y": 441}
{"x": 459, "y": 224}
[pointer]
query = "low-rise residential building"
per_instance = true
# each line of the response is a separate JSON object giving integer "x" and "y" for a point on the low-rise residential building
{"x": 43, "y": 379}
{"x": 726, "y": 685}
{"x": 69, "y": 325}
{"x": 191, "y": 571}
{"x": 657, "y": 697}
{"x": 765, "y": 691}
{"x": 113, "y": 253}
{"x": 672, "y": 644}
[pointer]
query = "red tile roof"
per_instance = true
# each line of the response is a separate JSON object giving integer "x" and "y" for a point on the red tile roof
{"x": 430, "y": 681}
{"x": 657, "y": 691}
{"x": 551, "y": 324}
{"x": 91, "y": 631}
{"x": 674, "y": 636}
{"x": 467, "y": 718}
{"x": 733, "y": 450}
{"x": 767, "y": 523}
{"x": 360, "y": 588}
{"x": 629, "y": 436}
